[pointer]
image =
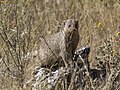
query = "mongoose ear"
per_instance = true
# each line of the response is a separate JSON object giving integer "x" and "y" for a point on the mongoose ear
{"x": 64, "y": 22}
{"x": 76, "y": 24}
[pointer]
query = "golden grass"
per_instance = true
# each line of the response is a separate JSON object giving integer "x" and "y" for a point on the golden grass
{"x": 99, "y": 26}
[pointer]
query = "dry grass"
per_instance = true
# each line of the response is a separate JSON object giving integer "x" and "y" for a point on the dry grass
{"x": 22, "y": 22}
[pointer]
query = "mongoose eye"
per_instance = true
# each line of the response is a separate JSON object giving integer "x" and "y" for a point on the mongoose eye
{"x": 69, "y": 26}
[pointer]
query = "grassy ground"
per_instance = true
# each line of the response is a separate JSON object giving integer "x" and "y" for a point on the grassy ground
{"x": 22, "y": 22}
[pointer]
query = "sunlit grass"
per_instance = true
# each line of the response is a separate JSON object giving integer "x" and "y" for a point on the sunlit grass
{"x": 99, "y": 22}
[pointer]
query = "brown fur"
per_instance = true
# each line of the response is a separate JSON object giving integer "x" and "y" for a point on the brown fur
{"x": 60, "y": 45}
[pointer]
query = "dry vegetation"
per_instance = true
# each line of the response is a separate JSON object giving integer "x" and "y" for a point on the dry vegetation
{"x": 22, "y": 22}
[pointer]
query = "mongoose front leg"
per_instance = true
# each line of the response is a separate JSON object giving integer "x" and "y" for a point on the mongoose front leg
{"x": 63, "y": 55}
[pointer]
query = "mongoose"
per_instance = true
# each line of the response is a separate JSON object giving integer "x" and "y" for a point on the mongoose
{"x": 60, "y": 45}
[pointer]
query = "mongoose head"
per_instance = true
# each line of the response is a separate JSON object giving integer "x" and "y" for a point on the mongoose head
{"x": 70, "y": 25}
